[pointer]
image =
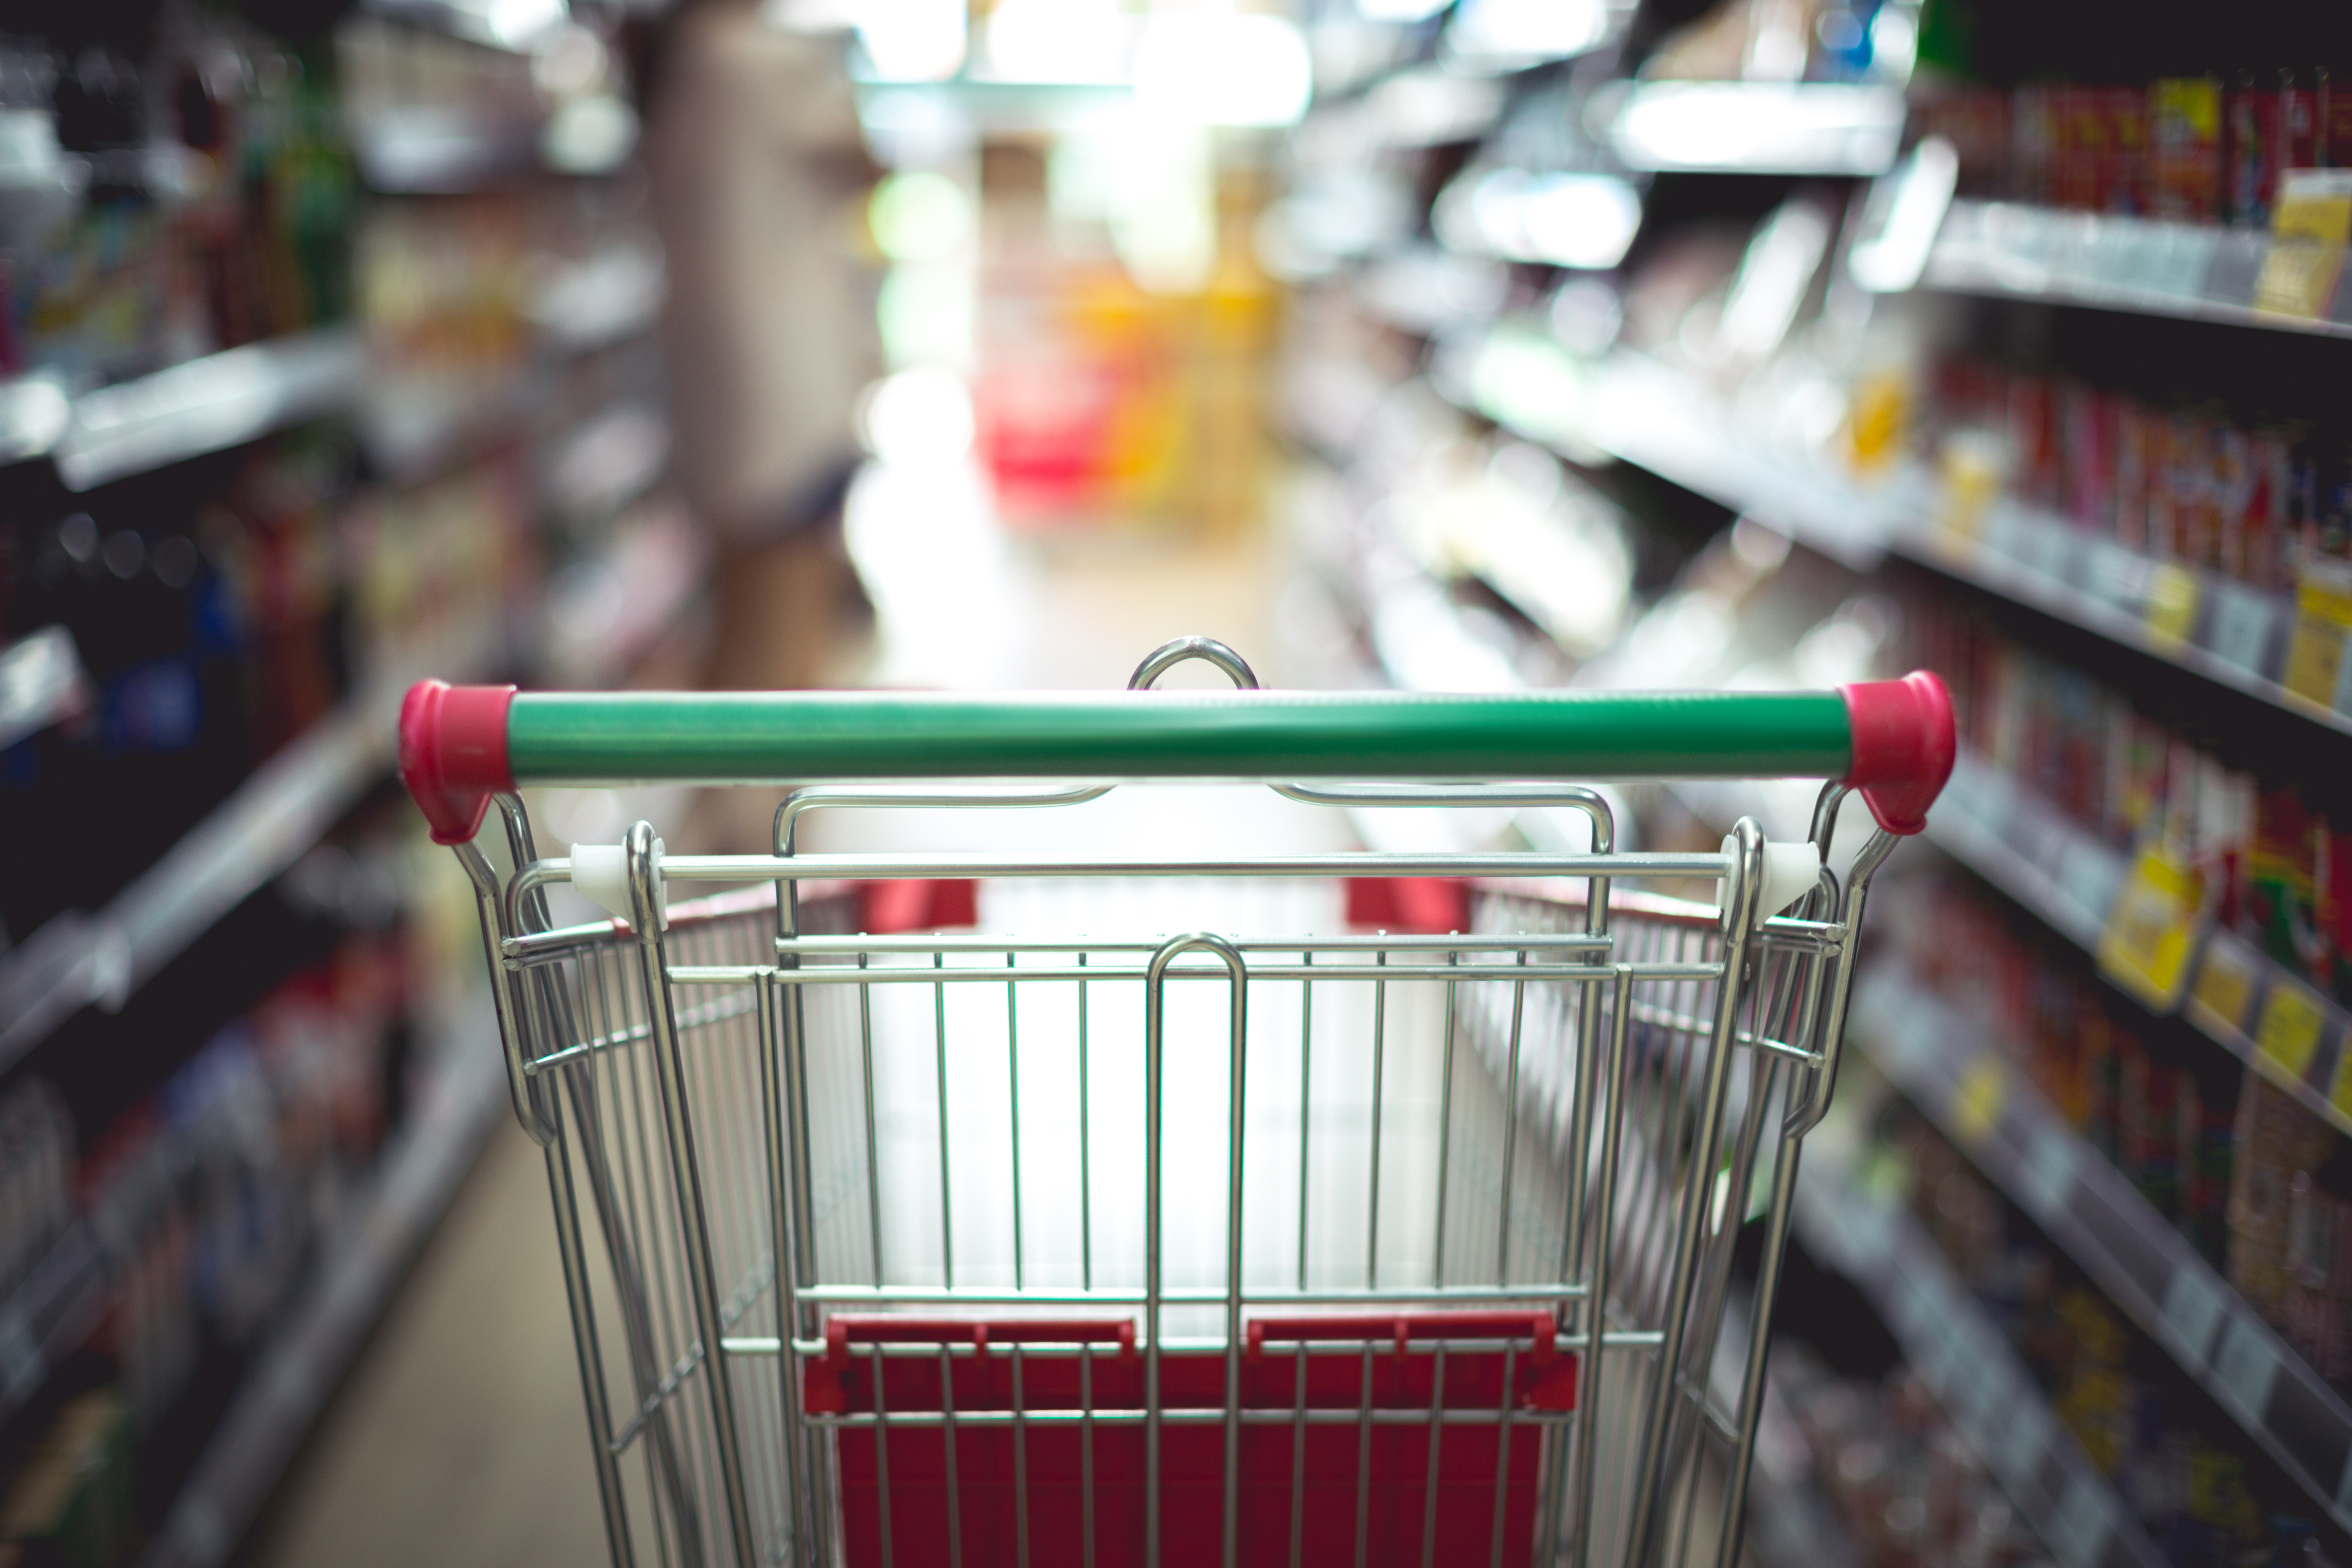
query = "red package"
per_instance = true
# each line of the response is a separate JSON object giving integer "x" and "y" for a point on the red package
{"x": 2122, "y": 176}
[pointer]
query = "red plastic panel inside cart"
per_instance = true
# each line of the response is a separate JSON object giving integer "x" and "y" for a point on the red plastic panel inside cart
{"x": 1470, "y": 1459}
{"x": 1433, "y": 905}
{"x": 917, "y": 904}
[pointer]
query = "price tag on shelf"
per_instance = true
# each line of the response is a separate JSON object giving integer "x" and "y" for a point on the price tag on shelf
{"x": 2315, "y": 666}
{"x": 2022, "y": 1440}
{"x": 2048, "y": 547}
{"x": 22, "y": 1365}
{"x": 2089, "y": 876}
{"x": 2080, "y": 1527}
{"x": 2194, "y": 1306}
{"x": 2222, "y": 999}
{"x": 2246, "y": 1367}
{"x": 2309, "y": 230}
{"x": 2294, "y": 1021}
{"x": 2052, "y": 1166}
{"x": 2171, "y": 612}
{"x": 1978, "y": 1098}
{"x": 2151, "y": 931}
{"x": 2339, "y": 1087}
{"x": 2242, "y": 624}
{"x": 2114, "y": 575}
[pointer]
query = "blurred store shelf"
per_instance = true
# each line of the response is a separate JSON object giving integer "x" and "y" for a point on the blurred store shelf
{"x": 425, "y": 149}
{"x": 52, "y": 1310}
{"x": 1943, "y": 1062}
{"x": 286, "y": 1387}
{"x": 1753, "y": 128}
{"x": 603, "y": 616}
{"x": 205, "y": 405}
{"x": 35, "y": 413}
{"x": 80, "y": 959}
{"x": 2195, "y": 272}
{"x": 2236, "y": 995}
{"x": 1657, "y": 418}
{"x": 605, "y": 298}
{"x": 1966, "y": 1362}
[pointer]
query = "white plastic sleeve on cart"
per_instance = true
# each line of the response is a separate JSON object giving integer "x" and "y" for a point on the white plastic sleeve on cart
{"x": 600, "y": 873}
{"x": 1790, "y": 871}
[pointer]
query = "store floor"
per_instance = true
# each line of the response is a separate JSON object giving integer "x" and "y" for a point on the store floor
{"x": 458, "y": 1437}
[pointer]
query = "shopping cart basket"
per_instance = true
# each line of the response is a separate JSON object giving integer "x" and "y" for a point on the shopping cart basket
{"x": 919, "y": 1245}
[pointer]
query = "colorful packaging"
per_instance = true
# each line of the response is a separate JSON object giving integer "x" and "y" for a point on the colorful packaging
{"x": 2298, "y": 145}
{"x": 2253, "y": 150}
{"x": 2185, "y": 149}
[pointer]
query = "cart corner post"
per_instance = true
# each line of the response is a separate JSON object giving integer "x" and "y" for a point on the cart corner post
{"x": 1154, "y": 1032}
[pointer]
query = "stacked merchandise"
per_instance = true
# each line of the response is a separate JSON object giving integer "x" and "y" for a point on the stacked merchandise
{"x": 2190, "y": 149}
{"x": 230, "y": 973}
{"x": 219, "y": 619}
{"x": 2255, "y": 501}
{"x": 2117, "y": 1077}
{"x": 2177, "y": 1462}
{"x": 216, "y": 200}
{"x": 211, "y": 1192}
{"x": 1905, "y": 1485}
{"x": 2273, "y": 867}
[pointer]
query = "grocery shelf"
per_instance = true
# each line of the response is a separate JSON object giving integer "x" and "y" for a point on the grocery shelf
{"x": 1943, "y": 1062}
{"x": 418, "y": 150}
{"x": 288, "y": 1384}
{"x": 2191, "y": 271}
{"x": 2237, "y": 996}
{"x": 79, "y": 959}
{"x": 1657, "y": 418}
{"x": 34, "y": 412}
{"x": 1753, "y": 127}
{"x": 603, "y": 299}
{"x": 1966, "y": 1362}
{"x": 51, "y": 1312}
{"x": 204, "y": 405}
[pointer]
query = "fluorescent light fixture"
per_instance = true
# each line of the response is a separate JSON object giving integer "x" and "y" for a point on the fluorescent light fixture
{"x": 912, "y": 40}
{"x": 1584, "y": 221}
{"x": 1799, "y": 127}
{"x": 1229, "y": 69}
{"x": 917, "y": 416}
{"x": 1427, "y": 107}
{"x": 1062, "y": 42}
{"x": 1526, "y": 32}
{"x": 1399, "y": 10}
{"x": 1900, "y": 222}
{"x": 516, "y": 22}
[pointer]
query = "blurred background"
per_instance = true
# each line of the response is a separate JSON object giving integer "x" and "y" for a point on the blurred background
{"x": 1466, "y": 346}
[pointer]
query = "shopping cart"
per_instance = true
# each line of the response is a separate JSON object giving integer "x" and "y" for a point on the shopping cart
{"x": 1239, "y": 1246}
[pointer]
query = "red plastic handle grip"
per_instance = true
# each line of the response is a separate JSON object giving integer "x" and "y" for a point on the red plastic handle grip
{"x": 1904, "y": 743}
{"x": 453, "y": 754}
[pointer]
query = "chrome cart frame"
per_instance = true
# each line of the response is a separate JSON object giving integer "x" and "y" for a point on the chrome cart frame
{"x": 1255, "y": 1245}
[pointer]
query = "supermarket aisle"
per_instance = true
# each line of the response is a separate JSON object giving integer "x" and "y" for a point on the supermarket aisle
{"x": 458, "y": 1439}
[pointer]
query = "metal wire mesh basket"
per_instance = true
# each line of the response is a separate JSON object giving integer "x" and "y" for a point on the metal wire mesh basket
{"x": 950, "y": 1244}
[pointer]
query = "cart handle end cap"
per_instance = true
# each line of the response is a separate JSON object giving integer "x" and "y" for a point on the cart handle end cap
{"x": 1903, "y": 744}
{"x": 453, "y": 754}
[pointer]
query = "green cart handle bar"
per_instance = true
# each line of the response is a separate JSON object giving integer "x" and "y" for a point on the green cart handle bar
{"x": 1892, "y": 740}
